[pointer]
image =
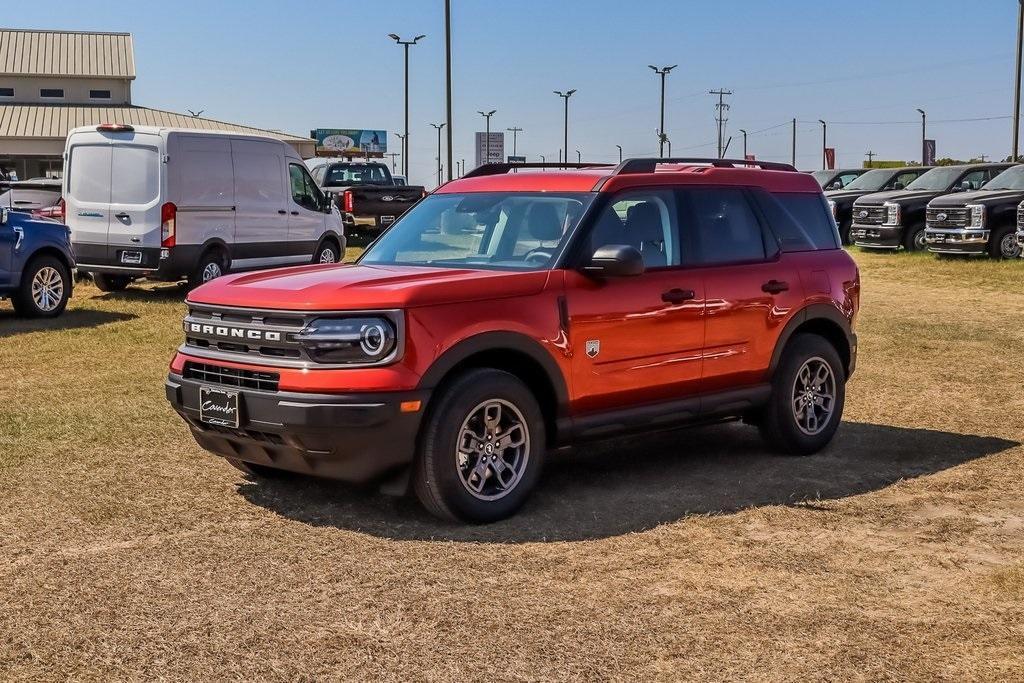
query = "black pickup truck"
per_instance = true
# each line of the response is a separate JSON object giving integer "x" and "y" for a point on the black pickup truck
{"x": 980, "y": 223}
{"x": 876, "y": 180}
{"x": 890, "y": 220}
{"x": 368, "y": 197}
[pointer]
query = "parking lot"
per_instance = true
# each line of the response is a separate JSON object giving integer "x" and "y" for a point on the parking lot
{"x": 129, "y": 552}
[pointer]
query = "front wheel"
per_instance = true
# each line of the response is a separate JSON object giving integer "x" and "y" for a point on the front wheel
{"x": 327, "y": 253}
{"x": 45, "y": 288}
{"x": 482, "y": 448}
{"x": 1003, "y": 244}
{"x": 807, "y": 399}
{"x": 914, "y": 240}
{"x": 210, "y": 267}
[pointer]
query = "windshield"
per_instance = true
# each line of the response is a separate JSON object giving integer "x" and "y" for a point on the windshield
{"x": 357, "y": 174}
{"x": 823, "y": 176}
{"x": 872, "y": 181}
{"x": 1010, "y": 179}
{"x": 937, "y": 179}
{"x": 501, "y": 230}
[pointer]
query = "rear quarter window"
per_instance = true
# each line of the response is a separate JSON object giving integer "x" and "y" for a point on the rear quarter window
{"x": 801, "y": 221}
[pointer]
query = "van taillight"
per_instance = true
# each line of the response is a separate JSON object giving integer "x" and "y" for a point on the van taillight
{"x": 348, "y": 201}
{"x": 168, "y": 213}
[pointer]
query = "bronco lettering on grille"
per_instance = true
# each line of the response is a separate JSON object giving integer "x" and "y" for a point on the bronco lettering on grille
{"x": 234, "y": 332}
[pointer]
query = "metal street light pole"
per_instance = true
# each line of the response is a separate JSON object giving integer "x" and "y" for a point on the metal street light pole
{"x": 661, "y": 129}
{"x": 669, "y": 142}
{"x": 405, "y": 138}
{"x": 487, "y": 135}
{"x": 439, "y": 126}
{"x": 579, "y": 157}
{"x": 448, "y": 77}
{"x": 514, "y": 130}
{"x": 824, "y": 143}
{"x": 1016, "y": 81}
{"x": 402, "y": 139}
{"x": 565, "y": 96}
{"x": 924, "y": 136}
{"x": 744, "y": 143}
{"x": 620, "y": 153}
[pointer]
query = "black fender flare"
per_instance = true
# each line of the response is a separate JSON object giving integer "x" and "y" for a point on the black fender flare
{"x": 211, "y": 244}
{"x": 814, "y": 312}
{"x": 499, "y": 341}
{"x": 337, "y": 238}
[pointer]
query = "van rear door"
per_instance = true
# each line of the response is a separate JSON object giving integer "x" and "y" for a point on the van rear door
{"x": 87, "y": 194}
{"x": 134, "y": 194}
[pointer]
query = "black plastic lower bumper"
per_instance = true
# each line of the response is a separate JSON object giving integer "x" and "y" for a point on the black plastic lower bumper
{"x": 876, "y": 236}
{"x": 354, "y": 437}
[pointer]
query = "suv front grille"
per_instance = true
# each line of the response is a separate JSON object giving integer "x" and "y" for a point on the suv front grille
{"x": 232, "y": 377}
{"x": 868, "y": 215}
{"x": 246, "y": 335}
{"x": 952, "y": 217}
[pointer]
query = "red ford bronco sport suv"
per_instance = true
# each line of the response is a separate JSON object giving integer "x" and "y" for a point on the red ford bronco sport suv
{"x": 515, "y": 310}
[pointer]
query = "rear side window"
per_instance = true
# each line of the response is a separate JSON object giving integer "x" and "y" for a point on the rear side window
{"x": 205, "y": 171}
{"x": 724, "y": 225}
{"x": 89, "y": 173}
{"x": 801, "y": 221}
{"x": 135, "y": 173}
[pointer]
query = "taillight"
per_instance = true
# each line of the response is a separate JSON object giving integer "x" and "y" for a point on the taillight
{"x": 168, "y": 213}
{"x": 348, "y": 201}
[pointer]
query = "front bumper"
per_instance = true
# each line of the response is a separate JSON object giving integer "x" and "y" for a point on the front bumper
{"x": 877, "y": 236}
{"x": 956, "y": 240}
{"x": 354, "y": 437}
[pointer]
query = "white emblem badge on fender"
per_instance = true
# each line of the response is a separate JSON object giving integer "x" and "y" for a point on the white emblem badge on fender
{"x": 593, "y": 347}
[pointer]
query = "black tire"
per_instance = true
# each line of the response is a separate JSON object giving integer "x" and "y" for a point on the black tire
{"x": 844, "y": 233}
{"x": 913, "y": 238}
{"x": 211, "y": 265}
{"x": 1003, "y": 243}
{"x": 442, "y": 483}
{"x": 255, "y": 470}
{"x": 779, "y": 423}
{"x": 111, "y": 283}
{"x": 48, "y": 279}
{"x": 328, "y": 247}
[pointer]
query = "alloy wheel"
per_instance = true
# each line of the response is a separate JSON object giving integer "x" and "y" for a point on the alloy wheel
{"x": 814, "y": 396}
{"x": 212, "y": 271}
{"x": 920, "y": 243}
{"x": 328, "y": 256}
{"x": 47, "y": 289}
{"x": 493, "y": 449}
{"x": 1008, "y": 246}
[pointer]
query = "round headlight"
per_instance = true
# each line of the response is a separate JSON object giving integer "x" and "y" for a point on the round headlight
{"x": 373, "y": 339}
{"x": 354, "y": 340}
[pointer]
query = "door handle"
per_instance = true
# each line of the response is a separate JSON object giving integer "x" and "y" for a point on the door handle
{"x": 678, "y": 296}
{"x": 775, "y": 286}
{"x": 295, "y": 213}
{"x": 121, "y": 215}
{"x": 282, "y": 211}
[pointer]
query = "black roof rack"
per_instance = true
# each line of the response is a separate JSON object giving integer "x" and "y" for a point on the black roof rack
{"x": 503, "y": 167}
{"x": 648, "y": 165}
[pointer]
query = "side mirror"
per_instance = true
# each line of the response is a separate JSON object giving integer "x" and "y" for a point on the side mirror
{"x": 898, "y": 186}
{"x": 965, "y": 186}
{"x": 615, "y": 260}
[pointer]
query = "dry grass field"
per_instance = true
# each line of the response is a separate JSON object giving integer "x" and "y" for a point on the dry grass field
{"x": 127, "y": 553}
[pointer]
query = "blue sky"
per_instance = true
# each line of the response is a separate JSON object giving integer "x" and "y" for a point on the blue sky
{"x": 864, "y": 67}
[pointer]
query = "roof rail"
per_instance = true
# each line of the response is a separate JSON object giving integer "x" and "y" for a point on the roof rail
{"x": 648, "y": 165}
{"x": 503, "y": 167}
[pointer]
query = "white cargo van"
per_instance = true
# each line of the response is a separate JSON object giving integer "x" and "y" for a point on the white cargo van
{"x": 170, "y": 204}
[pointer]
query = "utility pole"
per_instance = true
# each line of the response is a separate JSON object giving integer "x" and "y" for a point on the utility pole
{"x": 824, "y": 144}
{"x": 620, "y": 153}
{"x": 514, "y": 130}
{"x": 871, "y": 158}
{"x": 744, "y": 143}
{"x": 721, "y": 114}
{"x": 487, "y": 135}
{"x": 663, "y": 71}
{"x": 794, "y": 143}
{"x": 448, "y": 77}
{"x": 1016, "y": 80}
{"x": 924, "y": 136}
{"x": 439, "y": 126}
{"x": 565, "y": 96}
{"x": 405, "y": 138}
{"x": 393, "y": 155}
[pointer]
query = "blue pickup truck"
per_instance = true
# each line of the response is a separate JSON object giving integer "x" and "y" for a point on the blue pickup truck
{"x": 36, "y": 261}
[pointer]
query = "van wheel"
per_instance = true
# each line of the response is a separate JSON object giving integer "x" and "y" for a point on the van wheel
{"x": 45, "y": 288}
{"x": 914, "y": 239}
{"x": 210, "y": 267}
{"x": 111, "y": 283}
{"x": 807, "y": 399}
{"x": 1003, "y": 243}
{"x": 327, "y": 253}
{"x": 482, "y": 448}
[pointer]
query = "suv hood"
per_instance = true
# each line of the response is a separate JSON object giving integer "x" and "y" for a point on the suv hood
{"x": 979, "y": 197}
{"x": 335, "y": 287}
{"x": 846, "y": 195}
{"x": 879, "y": 198}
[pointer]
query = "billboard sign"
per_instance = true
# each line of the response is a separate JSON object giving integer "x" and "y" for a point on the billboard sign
{"x": 490, "y": 150}
{"x": 351, "y": 140}
{"x": 516, "y": 159}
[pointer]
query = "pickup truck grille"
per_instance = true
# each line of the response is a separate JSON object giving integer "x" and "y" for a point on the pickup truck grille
{"x": 868, "y": 215}
{"x": 952, "y": 217}
{"x": 232, "y": 377}
{"x": 1020, "y": 217}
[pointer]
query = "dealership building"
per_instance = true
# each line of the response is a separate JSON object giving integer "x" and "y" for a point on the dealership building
{"x": 53, "y": 81}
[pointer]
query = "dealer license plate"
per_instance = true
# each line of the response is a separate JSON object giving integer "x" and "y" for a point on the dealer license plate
{"x": 218, "y": 407}
{"x": 131, "y": 257}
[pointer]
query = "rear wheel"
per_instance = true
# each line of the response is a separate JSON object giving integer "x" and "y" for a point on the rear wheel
{"x": 327, "y": 253}
{"x": 1003, "y": 244}
{"x": 914, "y": 240}
{"x": 111, "y": 283}
{"x": 807, "y": 399}
{"x": 45, "y": 288}
{"x": 210, "y": 267}
{"x": 482, "y": 448}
